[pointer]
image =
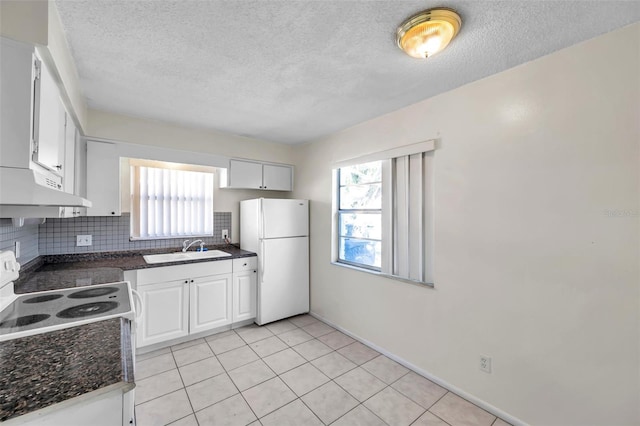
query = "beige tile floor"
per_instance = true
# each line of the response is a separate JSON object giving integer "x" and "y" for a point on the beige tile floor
{"x": 294, "y": 372}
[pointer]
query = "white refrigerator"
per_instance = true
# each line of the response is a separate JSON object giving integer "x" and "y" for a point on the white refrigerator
{"x": 278, "y": 231}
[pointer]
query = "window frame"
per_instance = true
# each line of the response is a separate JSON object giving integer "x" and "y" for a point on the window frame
{"x": 341, "y": 211}
{"x": 388, "y": 210}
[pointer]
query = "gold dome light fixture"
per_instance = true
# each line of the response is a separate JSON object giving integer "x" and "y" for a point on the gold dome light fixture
{"x": 428, "y": 32}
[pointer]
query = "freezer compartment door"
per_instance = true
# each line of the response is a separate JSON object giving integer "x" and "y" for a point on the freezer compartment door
{"x": 285, "y": 218}
{"x": 283, "y": 289}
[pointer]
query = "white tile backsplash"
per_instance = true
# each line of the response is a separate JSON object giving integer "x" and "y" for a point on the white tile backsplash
{"x": 58, "y": 236}
{"x": 27, "y": 235}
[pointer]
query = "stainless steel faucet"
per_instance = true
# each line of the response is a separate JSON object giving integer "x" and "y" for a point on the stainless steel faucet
{"x": 186, "y": 245}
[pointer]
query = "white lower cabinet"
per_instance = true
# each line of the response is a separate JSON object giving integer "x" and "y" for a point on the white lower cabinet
{"x": 187, "y": 299}
{"x": 244, "y": 289}
{"x": 165, "y": 312}
{"x": 210, "y": 302}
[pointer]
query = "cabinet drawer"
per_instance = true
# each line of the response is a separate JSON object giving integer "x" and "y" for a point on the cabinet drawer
{"x": 245, "y": 264}
{"x": 177, "y": 272}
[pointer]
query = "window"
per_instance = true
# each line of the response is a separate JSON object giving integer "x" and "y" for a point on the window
{"x": 170, "y": 203}
{"x": 360, "y": 214}
{"x": 384, "y": 213}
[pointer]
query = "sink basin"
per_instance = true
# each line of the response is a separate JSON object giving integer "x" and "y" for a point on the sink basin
{"x": 181, "y": 257}
{"x": 206, "y": 254}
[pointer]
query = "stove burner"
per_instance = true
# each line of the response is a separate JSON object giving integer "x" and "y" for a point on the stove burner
{"x": 22, "y": 321}
{"x": 92, "y": 292}
{"x": 87, "y": 309}
{"x": 45, "y": 298}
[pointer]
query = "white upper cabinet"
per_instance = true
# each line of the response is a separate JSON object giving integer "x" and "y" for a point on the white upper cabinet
{"x": 276, "y": 178}
{"x": 245, "y": 174}
{"x": 49, "y": 131}
{"x": 254, "y": 175}
{"x": 69, "y": 166}
{"x": 36, "y": 130}
{"x": 103, "y": 179}
{"x": 19, "y": 85}
{"x": 69, "y": 155}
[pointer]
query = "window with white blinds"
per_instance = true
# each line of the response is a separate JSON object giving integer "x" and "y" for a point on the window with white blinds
{"x": 399, "y": 242}
{"x": 169, "y": 203}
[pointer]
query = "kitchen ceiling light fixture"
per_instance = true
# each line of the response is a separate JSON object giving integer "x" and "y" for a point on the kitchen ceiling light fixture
{"x": 428, "y": 32}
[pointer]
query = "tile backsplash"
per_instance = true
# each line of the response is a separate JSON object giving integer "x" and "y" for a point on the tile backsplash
{"x": 27, "y": 235}
{"x": 58, "y": 236}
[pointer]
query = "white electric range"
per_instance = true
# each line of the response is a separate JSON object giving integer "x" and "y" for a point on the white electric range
{"x": 30, "y": 314}
{"x": 42, "y": 312}
{"x": 45, "y": 311}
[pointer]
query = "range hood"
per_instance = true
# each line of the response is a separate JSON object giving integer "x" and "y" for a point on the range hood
{"x": 27, "y": 187}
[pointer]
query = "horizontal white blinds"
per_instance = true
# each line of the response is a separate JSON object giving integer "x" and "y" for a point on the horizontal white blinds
{"x": 170, "y": 203}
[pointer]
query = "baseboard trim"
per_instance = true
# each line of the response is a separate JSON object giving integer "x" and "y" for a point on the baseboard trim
{"x": 471, "y": 398}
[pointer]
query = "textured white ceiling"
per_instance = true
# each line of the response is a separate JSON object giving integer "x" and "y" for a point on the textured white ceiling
{"x": 293, "y": 71}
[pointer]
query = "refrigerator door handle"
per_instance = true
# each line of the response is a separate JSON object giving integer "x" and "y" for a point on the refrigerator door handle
{"x": 261, "y": 219}
{"x": 261, "y": 262}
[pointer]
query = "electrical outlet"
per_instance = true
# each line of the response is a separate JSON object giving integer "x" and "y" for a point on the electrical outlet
{"x": 485, "y": 364}
{"x": 17, "y": 249}
{"x": 84, "y": 240}
{"x": 225, "y": 233}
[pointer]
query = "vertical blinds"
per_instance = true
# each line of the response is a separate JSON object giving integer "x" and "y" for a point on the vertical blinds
{"x": 412, "y": 216}
{"x": 171, "y": 203}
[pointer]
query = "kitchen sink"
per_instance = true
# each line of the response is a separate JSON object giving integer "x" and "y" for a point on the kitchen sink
{"x": 181, "y": 257}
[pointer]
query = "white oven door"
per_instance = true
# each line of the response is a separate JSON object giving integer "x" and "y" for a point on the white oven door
{"x": 103, "y": 410}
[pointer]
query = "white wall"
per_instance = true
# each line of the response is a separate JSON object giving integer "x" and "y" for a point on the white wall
{"x": 529, "y": 268}
{"x": 25, "y": 20}
{"x": 123, "y": 128}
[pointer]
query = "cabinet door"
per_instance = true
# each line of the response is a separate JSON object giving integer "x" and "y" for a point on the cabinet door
{"x": 165, "y": 312}
{"x": 19, "y": 85}
{"x": 277, "y": 178}
{"x": 245, "y": 174}
{"x": 103, "y": 179}
{"x": 210, "y": 302}
{"x": 68, "y": 180}
{"x": 67, "y": 212}
{"x": 50, "y": 133}
{"x": 244, "y": 295}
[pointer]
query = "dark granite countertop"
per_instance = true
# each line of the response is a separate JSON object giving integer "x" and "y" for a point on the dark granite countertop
{"x": 128, "y": 260}
{"x": 46, "y": 278}
{"x": 45, "y": 369}
{"x": 52, "y": 272}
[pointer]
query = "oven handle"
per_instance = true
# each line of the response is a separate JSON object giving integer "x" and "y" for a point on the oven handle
{"x": 137, "y": 298}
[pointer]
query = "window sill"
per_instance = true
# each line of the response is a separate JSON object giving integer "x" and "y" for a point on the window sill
{"x": 381, "y": 274}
